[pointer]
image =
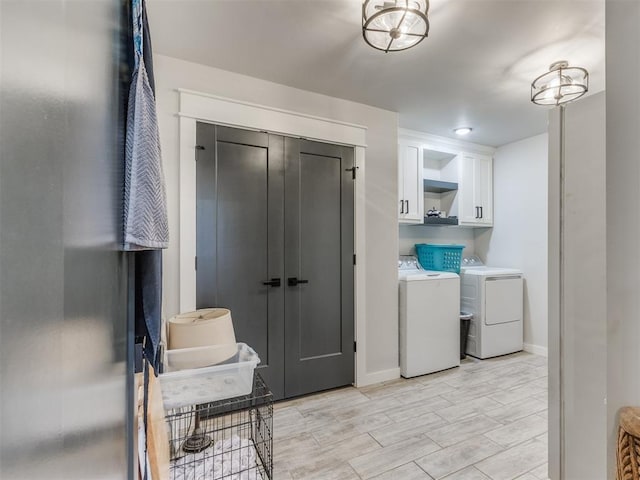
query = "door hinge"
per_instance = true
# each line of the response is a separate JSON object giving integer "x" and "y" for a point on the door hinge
{"x": 354, "y": 258}
{"x": 195, "y": 262}
{"x": 352, "y": 170}
{"x": 355, "y": 346}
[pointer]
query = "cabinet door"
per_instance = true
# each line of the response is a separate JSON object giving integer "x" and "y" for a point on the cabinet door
{"x": 401, "y": 157}
{"x": 413, "y": 187}
{"x": 484, "y": 188}
{"x": 476, "y": 190}
{"x": 469, "y": 211}
{"x": 410, "y": 188}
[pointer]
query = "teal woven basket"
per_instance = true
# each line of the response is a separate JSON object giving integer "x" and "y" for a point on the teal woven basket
{"x": 442, "y": 258}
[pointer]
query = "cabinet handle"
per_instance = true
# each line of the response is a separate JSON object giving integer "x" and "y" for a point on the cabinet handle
{"x": 481, "y": 212}
{"x": 401, "y": 206}
{"x": 293, "y": 281}
{"x": 477, "y": 212}
{"x": 275, "y": 282}
{"x": 407, "y": 206}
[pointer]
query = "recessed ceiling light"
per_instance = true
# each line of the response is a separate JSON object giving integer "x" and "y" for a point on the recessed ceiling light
{"x": 462, "y": 130}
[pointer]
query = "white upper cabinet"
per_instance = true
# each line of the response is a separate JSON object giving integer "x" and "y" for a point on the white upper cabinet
{"x": 475, "y": 190}
{"x": 484, "y": 188}
{"x": 410, "y": 189}
{"x": 444, "y": 174}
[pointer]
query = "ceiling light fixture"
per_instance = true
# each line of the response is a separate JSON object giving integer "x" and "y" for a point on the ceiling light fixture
{"x": 560, "y": 85}
{"x": 462, "y": 130}
{"x": 394, "y": 25}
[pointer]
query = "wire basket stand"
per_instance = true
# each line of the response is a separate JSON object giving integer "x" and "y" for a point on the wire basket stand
{"x": 240, "y": 431}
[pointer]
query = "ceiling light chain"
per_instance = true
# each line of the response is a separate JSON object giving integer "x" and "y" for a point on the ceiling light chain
{"x": 394, "y": 25}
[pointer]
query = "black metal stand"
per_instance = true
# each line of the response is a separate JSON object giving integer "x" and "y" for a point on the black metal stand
{"x": 225, "y": 438}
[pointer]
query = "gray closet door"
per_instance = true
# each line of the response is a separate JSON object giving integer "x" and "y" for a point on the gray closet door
{"x": 240, "y": 238}
{"x": 271, "y": 209}
{"x": 319, "y": 327}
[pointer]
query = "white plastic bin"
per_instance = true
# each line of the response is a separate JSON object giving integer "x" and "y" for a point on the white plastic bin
{"x": 199, "y": 357}
{"x": 209, "y": 384}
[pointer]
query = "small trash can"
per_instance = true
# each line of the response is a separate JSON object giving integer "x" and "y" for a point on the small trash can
{"x": 465, "y": 322}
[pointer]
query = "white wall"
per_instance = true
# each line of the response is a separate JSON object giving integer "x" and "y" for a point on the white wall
{"x": 412, "y": 234}
{"x": 623, "y": 212}
{"x": 578, "y": 293}
{"x": 518, "y": 238}
{"x": 380, "y": 190}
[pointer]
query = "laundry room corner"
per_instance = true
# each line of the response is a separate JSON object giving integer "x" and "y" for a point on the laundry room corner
{"x": 519, "y": 234}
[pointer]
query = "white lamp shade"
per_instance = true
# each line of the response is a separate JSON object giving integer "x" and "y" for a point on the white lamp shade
{"x": 199, "y": 339}
{"x": 209, "y": 326}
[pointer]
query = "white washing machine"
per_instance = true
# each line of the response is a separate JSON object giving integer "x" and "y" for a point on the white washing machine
{"x": 495, "y": 298}
{"x": 429, "y": 319}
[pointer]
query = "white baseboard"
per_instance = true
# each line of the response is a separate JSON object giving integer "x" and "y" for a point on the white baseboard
{"x": 394, "y": 373}
{"x": 378, "y": 377}
{"x": 538, "y": 350}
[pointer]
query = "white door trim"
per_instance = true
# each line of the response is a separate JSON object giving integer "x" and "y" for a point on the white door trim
{"x": 194, "y": 107}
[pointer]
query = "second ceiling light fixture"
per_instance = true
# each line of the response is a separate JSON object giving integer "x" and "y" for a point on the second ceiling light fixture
{"x": 394, "y": 25}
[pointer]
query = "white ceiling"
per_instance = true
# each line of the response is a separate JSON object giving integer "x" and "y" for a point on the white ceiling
{"x": 474, "y": 69}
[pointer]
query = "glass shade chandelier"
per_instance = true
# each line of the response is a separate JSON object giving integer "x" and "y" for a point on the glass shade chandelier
{"x": 560, "y": 85}
{"x": 394, "y": 25}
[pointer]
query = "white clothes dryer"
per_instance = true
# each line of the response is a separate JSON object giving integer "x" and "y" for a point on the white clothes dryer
{"x": 495, "y": 298}
{"x": 429, "y": 319}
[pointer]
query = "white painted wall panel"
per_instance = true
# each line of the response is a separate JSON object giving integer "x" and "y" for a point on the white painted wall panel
{"x": 412, "y": 234}
{"x": 623, "y": 212}
{"x": 578, "y": 363}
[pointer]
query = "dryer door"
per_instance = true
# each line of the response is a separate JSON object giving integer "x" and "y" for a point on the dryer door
{"x": 503, "y": 299}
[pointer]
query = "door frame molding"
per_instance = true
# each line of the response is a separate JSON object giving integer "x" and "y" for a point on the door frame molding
{"x": 202, "y": 107}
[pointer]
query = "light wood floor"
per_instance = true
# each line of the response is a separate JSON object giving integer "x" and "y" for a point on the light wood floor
{"x": 486, "y": 420}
